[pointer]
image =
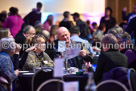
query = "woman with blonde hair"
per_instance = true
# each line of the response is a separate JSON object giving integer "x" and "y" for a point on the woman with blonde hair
{"x": 37, "y": 57}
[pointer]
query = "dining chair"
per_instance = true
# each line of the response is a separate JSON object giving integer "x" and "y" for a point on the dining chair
{"x": 51, "y": 85}
{"x": 132, "y": 79}
{"x": 111, "y": 85}
{"x": 41, "y": 76}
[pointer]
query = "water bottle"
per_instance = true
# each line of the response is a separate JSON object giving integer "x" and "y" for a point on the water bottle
{"x": 90, "y": 84}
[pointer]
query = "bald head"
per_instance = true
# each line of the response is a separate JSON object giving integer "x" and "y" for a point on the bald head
{"x": 63, "y": 34}
{"x": 62, "y": 29}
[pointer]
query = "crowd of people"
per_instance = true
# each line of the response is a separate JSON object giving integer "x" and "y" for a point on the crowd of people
{"x": 26, "y": 43}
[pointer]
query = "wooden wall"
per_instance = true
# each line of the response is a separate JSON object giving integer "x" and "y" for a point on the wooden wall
{"x": 117, "y": 6}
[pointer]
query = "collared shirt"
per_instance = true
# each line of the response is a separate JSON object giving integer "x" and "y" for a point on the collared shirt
{"x": 6, "y": 66}
{"x": 76, "y": 38}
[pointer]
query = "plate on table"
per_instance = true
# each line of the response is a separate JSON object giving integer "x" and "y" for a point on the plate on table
{"x": 28, "y": 73}
{"x": 23, "y": 71}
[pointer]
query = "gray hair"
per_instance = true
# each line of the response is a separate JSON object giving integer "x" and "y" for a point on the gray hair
{"x": 7, "y": 44}
{"x": 46, "y": 34}
{"x": 27, "y": 28}
{"x": 109, "y": 40}
{"x": 125, "y": 36}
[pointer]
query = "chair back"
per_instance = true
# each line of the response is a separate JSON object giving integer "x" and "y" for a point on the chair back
{"x": 111, "y": 85}
{"x": 118, "y": 74}
{"x": 132, "y": 79}
{"x": 51, "y": 85}
{"x": 41, "y": 76}
{"x": 5, "y": 81}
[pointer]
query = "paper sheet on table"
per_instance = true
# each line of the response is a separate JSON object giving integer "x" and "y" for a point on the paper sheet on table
{"x": 71, "y": 86}
{"x": 61, "y": 46}
{"x": 58, "y": 67}
{"x": 72, "y": 52}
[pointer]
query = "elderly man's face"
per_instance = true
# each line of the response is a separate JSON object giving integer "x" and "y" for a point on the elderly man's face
{"x": 64, "y": 36}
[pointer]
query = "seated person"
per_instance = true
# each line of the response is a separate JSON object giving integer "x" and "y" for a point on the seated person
{"x": 131, "y": 54}
{"x": 37, "y": 57}
{"x": 95, "y": 27}
{"x": 75, "y": 32}
{"x": 84, "y": 55}
{"x": 5, "y": 32}
{"x": 97, "y": 35}
{"x": 50, "y": 43}
{"x": 22, "y": 37}
{"x": 6, "y": 65}
{"x": 110, "y": 57}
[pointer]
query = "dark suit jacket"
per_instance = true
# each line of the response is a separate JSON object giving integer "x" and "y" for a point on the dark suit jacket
{"x": 84, "y": 30}
{"x": 109, "y": 24}
{"x": 15, "y": 60}
{"x": 107, "y": 61}
{"x": 32, "y": 17}
{"x": 20, "y": 39}
{"x": 67, "y": 24}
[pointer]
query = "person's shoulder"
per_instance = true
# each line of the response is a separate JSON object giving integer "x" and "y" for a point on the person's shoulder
{"x": 32, "y": 12}
{"x": 121, "y": 55}
{"x": 20, "y": 37}
{"x": 130, "y": 14}
{"x": 31, "y": 53}
{"x": 112, "y": 18}
{"x": 102, "y": 18}
{"x": 129, "y": 52}
{"x": 96, "y": 32}
{"x": 45, "y": 54}
{"x": 134, "y": 18}
{"x": 85, "y": 41}
{"x": 13, "y": 16}
{"x": 9, "y": 18}
{"x": 4, "y": 59}
{"x": 103, "y": 57}
{"x": 111, "y": 52}
{"x": 61, "y": 22}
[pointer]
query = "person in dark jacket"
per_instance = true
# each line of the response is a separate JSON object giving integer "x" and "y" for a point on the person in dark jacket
{"x": 21, "y": 38}
{"x": 34, "y": 16}
{"x": 66, "y": 22}
{"x": 131, "y": 29}
{"x": 109, "y": 58}
{"x": 84, "y": 30}
{"x": 130, "y": 15}
{"x": 108, "y": 20}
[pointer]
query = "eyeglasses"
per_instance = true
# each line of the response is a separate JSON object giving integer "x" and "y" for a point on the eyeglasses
{"x": 32, "y": 33}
